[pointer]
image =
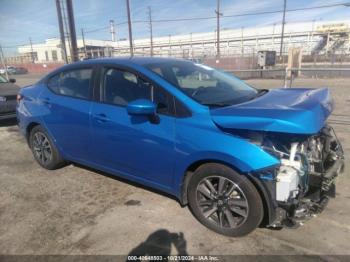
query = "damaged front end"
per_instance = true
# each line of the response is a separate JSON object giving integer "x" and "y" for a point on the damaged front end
{"x": 305, "y": 180}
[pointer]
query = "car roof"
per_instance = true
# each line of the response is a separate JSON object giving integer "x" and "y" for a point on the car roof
{"x": 130, "y": 60}
{"x": 121, "y": 61}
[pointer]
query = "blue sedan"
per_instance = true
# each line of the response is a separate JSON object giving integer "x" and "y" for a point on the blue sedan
{"x": 238, "y": 156}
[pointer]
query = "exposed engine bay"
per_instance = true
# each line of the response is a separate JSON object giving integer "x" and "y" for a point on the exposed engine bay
{"x": 305, "y": 179}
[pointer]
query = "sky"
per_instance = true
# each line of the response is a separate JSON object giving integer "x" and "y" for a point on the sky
{"x": 37, "y": 19}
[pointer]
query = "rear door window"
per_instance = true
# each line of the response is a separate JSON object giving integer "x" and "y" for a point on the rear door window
{"x": 73, "y": 83}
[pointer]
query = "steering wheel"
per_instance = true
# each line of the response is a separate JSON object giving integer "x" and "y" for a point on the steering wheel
{"x": 198, "y": 90}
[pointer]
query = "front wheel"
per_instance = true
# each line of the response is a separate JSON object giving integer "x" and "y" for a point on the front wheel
{"x": 44, "y": 150}
{"x": 224, "y": 201}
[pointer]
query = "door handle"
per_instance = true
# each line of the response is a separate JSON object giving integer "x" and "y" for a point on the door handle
{"x": 102, "y": 118}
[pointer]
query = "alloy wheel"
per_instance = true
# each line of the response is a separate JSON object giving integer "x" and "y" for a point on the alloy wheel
{"x": 222, "y": 202}
{"x": 42, "y": 148}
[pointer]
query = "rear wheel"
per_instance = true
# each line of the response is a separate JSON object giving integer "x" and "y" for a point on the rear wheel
{"x": 44, "y": 150}
{"x": 224, "y": 201}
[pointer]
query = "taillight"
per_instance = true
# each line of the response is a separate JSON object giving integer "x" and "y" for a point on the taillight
{"x": 19, "y": 97}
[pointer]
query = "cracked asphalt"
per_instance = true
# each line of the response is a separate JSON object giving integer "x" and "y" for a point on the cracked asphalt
{"x": 76, "y": 210}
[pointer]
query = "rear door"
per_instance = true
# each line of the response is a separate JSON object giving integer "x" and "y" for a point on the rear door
{"x": 67, "y": 101}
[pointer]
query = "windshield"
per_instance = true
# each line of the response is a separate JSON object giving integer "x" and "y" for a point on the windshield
{"x": 204, "y": 84}
{"x": 2, "y": 79}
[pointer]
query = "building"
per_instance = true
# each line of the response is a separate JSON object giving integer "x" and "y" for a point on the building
{"x": 316, "y": 37}
{"x": 51, "y": 51}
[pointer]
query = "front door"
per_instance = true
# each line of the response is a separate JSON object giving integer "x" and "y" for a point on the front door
{"x": 135, "y": 146}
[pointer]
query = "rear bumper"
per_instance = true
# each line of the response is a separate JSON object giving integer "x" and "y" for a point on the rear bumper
{"x": 8, "y": 108}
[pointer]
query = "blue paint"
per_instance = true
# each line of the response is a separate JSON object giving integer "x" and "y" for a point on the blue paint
{"x": 157, "y": 154}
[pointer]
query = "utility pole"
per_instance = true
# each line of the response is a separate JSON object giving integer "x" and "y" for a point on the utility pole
{"x": 218, "y": 14}
{"x": 3, "y": 62}
{"x": 283, "y": 22}
{"x": 112, "y": 29}
{"x": 83, "y": 37}
{"x": 242, "y": 45}
{"x": 73, "y": 36}
{"x": 60, "y": 25}
{"x": 31, "y": 50}
{"x": 151, "y": 29}
{"x": 191, "y": 45}
{"x": 130, "y": 30}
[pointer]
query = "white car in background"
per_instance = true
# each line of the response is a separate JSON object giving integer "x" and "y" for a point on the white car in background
{"x": 9, "y": 69}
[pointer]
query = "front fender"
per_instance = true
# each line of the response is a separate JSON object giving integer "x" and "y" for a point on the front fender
{"x": 198, "y": 143}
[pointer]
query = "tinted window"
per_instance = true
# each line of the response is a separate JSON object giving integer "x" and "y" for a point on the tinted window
{"x": 164, "y": 101}
{"x": 181, "y": 110}
{"x": 122, "y": 87}
{"x": 75, "y": 83}
{"x": 204, "y": 84}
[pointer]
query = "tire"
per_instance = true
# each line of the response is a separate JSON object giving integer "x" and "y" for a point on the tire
{"x": 44, "y": 150}
{"x": 236, "y": 211}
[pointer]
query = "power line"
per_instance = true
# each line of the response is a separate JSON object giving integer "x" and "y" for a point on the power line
{"x": 97, "y": 29}
{"x": 347, "y": 4}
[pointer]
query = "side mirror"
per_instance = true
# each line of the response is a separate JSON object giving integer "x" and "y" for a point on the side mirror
{"x": 12, "y": 80}
{"x": 141, "y": 107}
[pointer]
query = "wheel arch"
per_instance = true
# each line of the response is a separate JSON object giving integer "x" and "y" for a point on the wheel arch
{"x": 29, "y": 129}
{"x": 269, "y": 208}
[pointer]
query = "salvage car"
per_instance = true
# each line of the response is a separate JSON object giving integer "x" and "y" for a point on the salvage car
{"x": 8, "y": 95}
{"x": 240, "y": 157}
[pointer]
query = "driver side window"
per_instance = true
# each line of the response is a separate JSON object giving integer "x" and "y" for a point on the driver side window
{"x": 122, "y": 87}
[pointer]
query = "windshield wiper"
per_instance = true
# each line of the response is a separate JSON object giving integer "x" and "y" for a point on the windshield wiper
{"x": 216, "y": 104}
{"x": 261, "y": 92}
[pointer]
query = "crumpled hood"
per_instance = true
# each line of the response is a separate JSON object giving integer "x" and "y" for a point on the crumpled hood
{"x": 287, "y": 110}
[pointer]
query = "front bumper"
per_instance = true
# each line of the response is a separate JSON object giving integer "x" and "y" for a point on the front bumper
{"x": 321, "y": 187}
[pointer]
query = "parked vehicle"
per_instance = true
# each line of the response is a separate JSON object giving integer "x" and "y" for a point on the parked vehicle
{"x": 8, "y": 94}
{"x": 20, "y": 70}
{"x": 9, "y": 69}
{"x": 239, "y": 156}
{"x": 12, "y": 70}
